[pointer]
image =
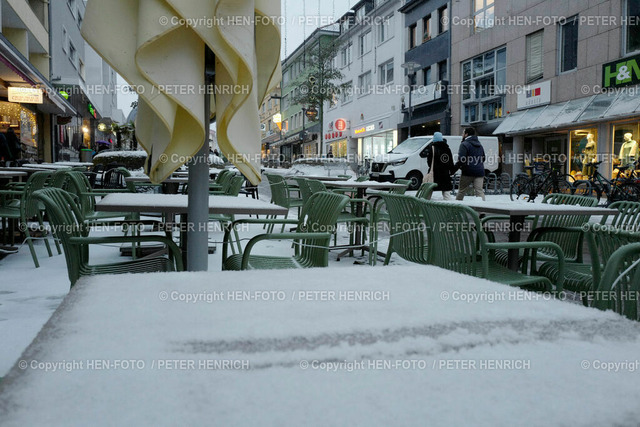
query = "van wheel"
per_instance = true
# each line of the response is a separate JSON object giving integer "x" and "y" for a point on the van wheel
{"x": 416, "y": 180}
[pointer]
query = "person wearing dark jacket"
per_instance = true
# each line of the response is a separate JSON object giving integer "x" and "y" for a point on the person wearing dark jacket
{"x": 5, "y": 153}
{"x": 440, "y": 159}
{"x": 471, "y": 159}
{"x": 14, "y": 144}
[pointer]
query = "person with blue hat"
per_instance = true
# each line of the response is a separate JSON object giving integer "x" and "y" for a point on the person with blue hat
{"x": 440, "y": 162}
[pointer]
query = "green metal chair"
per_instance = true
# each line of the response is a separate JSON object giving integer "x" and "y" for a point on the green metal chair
{"x": 584, "y": 277}
{"x": 72, "y": 229}
{"x": 407, "y": 227}
{"x": 460, "y": 244}
{"x": 619, "y": 289}
{"x": 426, "y": 190}
{"x": 280, "y": 195}
{"x": 627, "y": 218}
{"x": 221, "y": 181}
{"x": 311, "y": 239}
{"x": 232, "y": 190}
{"x": 24, "y": 207}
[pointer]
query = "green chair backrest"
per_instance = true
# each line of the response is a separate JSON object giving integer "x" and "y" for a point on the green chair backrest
{"x": 603, "y": 241}
{"x": 318, "y": 215}
{"x": 79, "y": 186}
{"x": 571, "y": 243}
{"x": 619, "y": 289}
{"x": 65, "y": 215}
{"x": 305, "y": 190}
{"x": 456, "y": 233}
{"x": 362, "y": 178}
{"x": 426, "y": 190}
{"x": 29, "y": 207}
{"x": 400, "y": 190}
{"x": 316, "y": 186}
{"x": 409, "y": 234}
{"x": 628, "y": 217}
{"x": 235, "y": 185}
{"x": 221, "y": 176}
{"x": 59, "y": 179}
{"x": 279, "y": 190}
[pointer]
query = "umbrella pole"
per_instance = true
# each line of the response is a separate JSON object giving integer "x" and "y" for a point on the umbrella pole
{"x": 198, "y": 216}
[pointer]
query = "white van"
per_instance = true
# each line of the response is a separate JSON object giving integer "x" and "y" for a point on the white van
{"x": 408, "y": 160}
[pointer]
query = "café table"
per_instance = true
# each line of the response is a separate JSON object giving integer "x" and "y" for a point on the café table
{"x": 319, "y": 177}
{"x": 178, "y": 204}
{"x": 517, "y": 211}
{"x": 8, "y": 174}
{"x": 375, "y": 346}
{"x": 170, "y": 185}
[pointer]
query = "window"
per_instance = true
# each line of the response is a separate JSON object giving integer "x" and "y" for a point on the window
{"x": 443, "y": 20}
{"x": 347, "y": 93}
{"x": 483, "y": 79}
{"x": 73, "y": 55}
{"x": 81, "y": 69}
{"x": 386, "y": 73}
{"x": 412, "y": 36}
{"x": 426, "y": 76}
{"x": 632, "y": 33}
{"x": 426, "y": 28}
{"x": 72, "y": 7}
{"x": 483, "y": 14}
{"x": 386, "y": 29}
{"x": 364, "y": 83}
{"x": 569, "y": 45}
{"x": 360, "y": 15}
{"x": 79, "y": 18}
{"x": 65, "y": 40}
{"x": 365, "y": 43}
{"x": 535, "y": 55}
{"x": 345, "y": 55}
{"x": 442, "y": 71}
{"x": 285, "y": 102}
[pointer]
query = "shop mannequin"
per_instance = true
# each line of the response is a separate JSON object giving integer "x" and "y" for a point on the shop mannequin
{"x": 629, "y": 150}
{"x": 589, "y": 155}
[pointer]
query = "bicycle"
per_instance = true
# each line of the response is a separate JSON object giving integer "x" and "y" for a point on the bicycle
{"x": 626, "y": 188}
{"x": 551, "y": 180}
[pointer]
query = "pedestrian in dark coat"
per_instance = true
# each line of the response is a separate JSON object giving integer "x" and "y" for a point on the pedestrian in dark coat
{"x": 440, "y": 159}
{"x": 14, "y": 144}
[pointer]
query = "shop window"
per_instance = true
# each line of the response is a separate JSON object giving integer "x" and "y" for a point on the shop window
{"x": 584, "y": 149}
{"x": 569, "y": 45}
{"x": 632, "y": 33}
{"x": 483, "y": 14}
{"x": 626, "y": 149}
{"x": 412, "y": 36}
{"x": 535, "y": 56}
{"x": 426, "y": 28}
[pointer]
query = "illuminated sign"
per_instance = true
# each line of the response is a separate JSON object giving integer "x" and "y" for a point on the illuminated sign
{"x": 621, "y": 73}
{"x": 364, "y": 129}
{"x": 340, "y": 124}
{"x": 92, "y": 110}
{"x": 25, "y": 95}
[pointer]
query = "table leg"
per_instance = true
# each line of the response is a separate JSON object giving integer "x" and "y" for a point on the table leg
{"x": 516, "y": 223}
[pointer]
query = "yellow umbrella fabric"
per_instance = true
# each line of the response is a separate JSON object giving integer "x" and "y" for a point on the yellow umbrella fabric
{"x": 158, "y": 47}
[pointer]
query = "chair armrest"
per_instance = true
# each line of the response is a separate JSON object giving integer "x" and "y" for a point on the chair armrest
{"x": 175, "y": 254}
{"x": 280, "y": 236}
{"x": 534, "y": 246}
{"x": 503, "y": 218}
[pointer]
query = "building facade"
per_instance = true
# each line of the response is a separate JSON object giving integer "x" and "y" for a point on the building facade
{"x": 428, "y": 47}
{"x": 271, "y": 131}
{"x": 29, "y": 103}
{"x": 364, "y": 121}
{"x": 555, "y": 80}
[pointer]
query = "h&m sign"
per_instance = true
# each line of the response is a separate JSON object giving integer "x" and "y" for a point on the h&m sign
{"x": 622, "y": 72}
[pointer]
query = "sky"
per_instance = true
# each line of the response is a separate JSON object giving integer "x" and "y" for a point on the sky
{"x": 299, "y": 19}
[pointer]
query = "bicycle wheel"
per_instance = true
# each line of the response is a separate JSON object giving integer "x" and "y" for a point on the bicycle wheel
{"x": 583, "y": 188}
{"x": 562, "y": 187}
{"x": 629, "y": 191}
{"x": 520, "y": 187}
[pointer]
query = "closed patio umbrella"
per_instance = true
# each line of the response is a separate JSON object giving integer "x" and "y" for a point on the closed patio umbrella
{"x": 160, "y": 48}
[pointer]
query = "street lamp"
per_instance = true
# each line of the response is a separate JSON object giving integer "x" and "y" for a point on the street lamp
{"x": 411, "y": 68}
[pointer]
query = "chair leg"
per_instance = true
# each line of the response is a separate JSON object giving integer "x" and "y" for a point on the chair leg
{"x": 44, "y": 236}
{"x": 387, "y": 258}
{"x": 29, "y": 240}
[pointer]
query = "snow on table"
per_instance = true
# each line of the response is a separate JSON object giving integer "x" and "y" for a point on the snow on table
{"x": 409, "y": 345}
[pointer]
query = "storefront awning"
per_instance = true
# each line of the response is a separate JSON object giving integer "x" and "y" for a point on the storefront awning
{"x": 16, "y": 70}
{"x": 581, "y": 111}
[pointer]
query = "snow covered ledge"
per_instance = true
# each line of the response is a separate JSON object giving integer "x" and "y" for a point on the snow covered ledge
{"x": 405, "y": 345}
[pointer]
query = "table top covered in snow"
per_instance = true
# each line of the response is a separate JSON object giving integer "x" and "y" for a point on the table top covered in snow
{"x": 178, "y": 204}
{"x": 11, "y": 174}
{"x": 403, "y": 345}
{"x": 521, "y": 208}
